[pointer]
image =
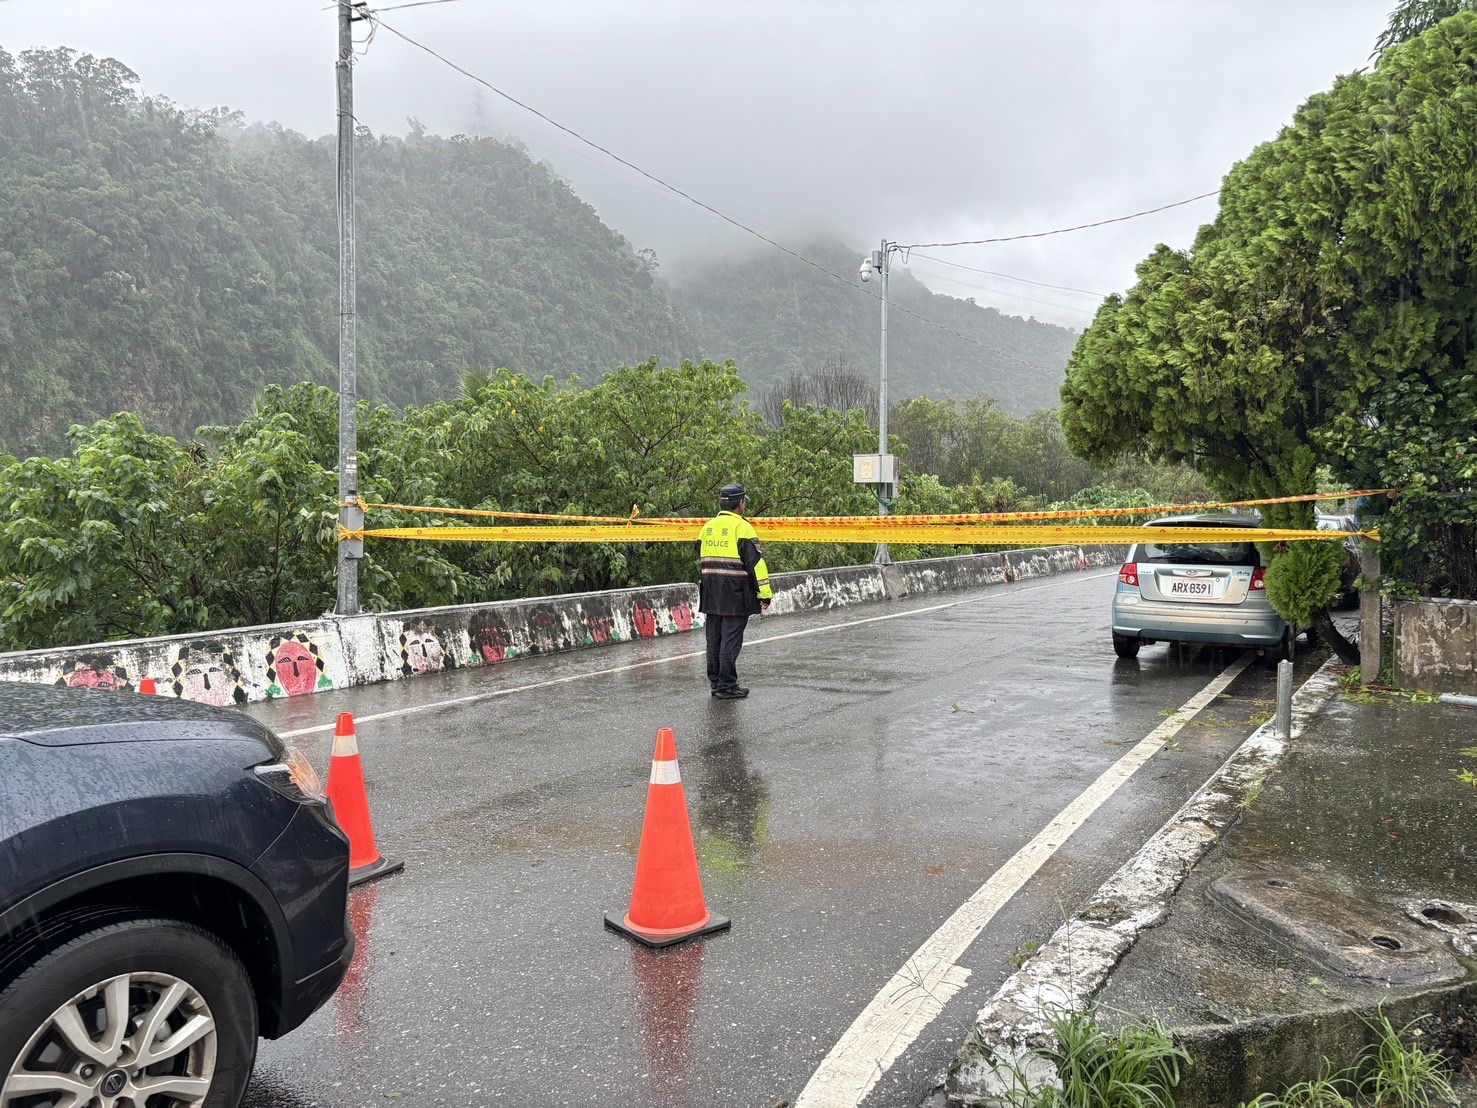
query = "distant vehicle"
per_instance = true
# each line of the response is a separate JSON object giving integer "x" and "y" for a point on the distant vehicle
{"x": 1349, "y": 570}
{"x": 1194, "y": 591}
{"x": 172, "y": 886}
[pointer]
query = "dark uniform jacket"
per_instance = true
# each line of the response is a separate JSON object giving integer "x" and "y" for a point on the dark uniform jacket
{"x": 735, "y": 578}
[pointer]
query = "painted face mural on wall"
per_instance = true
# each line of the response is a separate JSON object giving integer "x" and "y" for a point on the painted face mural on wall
{"x": 206, "y": 673}
{"x": 95, "y": 671}
{"x": 643, "y": 620}
{"x": 421, "y": 650}
{"x": 489, "y": 639}
{"x": 543, "y": 625}
{"x": 294, "y": 666}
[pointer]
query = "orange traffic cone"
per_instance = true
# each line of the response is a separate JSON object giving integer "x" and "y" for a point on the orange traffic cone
{"x": 146, "y": 687}
{"x": 351, "y": 805}
{"x": 667, "y": 899}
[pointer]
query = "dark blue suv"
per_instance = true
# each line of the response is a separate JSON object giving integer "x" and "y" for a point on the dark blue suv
{"x": 172, "y": 886}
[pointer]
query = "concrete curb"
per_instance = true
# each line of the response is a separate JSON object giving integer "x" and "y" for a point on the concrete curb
{"x": 1072, "y": 966}
{"x": 241, "y": 664}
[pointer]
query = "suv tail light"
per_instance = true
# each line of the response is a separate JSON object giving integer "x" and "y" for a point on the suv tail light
{"x": 1129, "y": 574}
{"x": 1259, "y": 578}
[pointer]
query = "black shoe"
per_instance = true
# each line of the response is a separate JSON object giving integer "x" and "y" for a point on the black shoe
{"x": 737, "y": 692}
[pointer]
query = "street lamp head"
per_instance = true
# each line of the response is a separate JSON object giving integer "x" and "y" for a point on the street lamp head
{"x": 866, "y": 270}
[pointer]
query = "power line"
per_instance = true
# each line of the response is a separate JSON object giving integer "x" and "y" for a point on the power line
{"x": 1063, "y": 230}
{"x": 657, "y": 180}
{"x": 1002, "y": 299}
{"x": 607, "y": 152}
{"x": 398, "y": 7}
{"x": 1008, "y": 276}
{"x": 413, "y": 4}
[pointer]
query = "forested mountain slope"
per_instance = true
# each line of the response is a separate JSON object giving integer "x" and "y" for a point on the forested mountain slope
{"x": 774, "y": 316}
{"x": 172, "y": 262}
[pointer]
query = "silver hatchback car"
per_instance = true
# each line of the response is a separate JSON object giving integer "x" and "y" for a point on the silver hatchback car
{"x": 1193, "y": 591}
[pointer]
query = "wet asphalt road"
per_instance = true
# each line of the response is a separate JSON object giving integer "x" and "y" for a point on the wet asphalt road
{"x": 874, "y": 780}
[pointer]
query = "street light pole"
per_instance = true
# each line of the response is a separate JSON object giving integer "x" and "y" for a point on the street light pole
{"x": 880, "y": 262}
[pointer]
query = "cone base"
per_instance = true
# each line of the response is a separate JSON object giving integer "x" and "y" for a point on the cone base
{"x": 616, "y": 921}
{"x": 380, "y": 867}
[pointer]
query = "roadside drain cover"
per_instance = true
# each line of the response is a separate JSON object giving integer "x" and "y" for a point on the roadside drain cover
{"x": 1457, "y": 921}
{"x": 1340, "y": 933}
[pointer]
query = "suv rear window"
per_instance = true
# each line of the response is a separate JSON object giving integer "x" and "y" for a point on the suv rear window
{"x": 1190, "y": 552}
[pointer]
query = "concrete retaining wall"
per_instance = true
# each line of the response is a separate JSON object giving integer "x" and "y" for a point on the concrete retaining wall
{"x": 1436, "y": 645}
{"x": 297, "y": 659}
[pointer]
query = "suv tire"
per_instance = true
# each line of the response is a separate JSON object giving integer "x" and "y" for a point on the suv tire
{"x": 158, "y": 959}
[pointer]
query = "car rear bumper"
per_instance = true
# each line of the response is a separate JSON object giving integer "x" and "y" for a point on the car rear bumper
{"x": 1135, "y": 617}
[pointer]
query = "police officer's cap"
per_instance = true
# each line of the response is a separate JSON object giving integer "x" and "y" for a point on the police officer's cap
{"x": 729, "y": 496}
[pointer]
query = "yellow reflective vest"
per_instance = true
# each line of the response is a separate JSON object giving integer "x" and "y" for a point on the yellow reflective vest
{"x": 734, "y": 576}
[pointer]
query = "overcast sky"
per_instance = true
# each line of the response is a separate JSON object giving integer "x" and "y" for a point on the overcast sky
{"x": 916, "y": 121}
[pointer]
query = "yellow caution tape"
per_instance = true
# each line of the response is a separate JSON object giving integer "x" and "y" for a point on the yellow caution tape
{"x": 888, "y": 530}
{"x": 870, "y": 521}
{"x": 484, "y": 513}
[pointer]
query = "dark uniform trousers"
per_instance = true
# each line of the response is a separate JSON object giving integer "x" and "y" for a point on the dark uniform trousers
{"x": 725, "y": 640}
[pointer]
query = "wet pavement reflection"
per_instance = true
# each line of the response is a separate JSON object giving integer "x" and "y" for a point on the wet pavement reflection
{"x": 877, "y": 776}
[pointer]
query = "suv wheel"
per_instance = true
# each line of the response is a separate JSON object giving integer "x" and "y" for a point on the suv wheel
{"x": 141, "y": 1013}
{"x": 1125, "y": 646}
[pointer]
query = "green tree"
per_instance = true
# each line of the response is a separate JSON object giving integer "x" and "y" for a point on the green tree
{"x": 1414, "y": 17}
{"x": 173, "y": 262}
{"x": 90, "y": 545}
{"x": 1325, "y": 317}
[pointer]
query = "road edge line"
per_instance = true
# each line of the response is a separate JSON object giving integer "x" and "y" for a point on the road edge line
{"x": 1071, "y": 966}
{"x": 916, "y": 994}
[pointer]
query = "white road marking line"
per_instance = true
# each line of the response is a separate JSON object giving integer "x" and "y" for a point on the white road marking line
{"x": 930, "y": 978}
{"x": 476, "y": 697}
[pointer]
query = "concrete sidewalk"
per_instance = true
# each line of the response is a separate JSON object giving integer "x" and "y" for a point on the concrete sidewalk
{"x": 1344, "y": 884}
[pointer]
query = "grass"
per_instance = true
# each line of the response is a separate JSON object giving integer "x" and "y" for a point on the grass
{"x": 1404, "y": 1074}
{"x": 1327, "y": 1090}
{"x": 1139, "y": 1066}
{"x": 1392, "y": 1073}
{"x": 1251, "y": 797}
{"x": 1018, "y": 957}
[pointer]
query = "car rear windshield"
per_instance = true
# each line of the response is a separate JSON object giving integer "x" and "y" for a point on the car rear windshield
{"x": 1190, "y": 552}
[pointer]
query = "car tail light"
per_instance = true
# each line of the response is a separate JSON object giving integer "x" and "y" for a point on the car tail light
{"x": 1129, "y": 574}
{"x": 293, "y": 777}
{"x": 1259, "y": 578}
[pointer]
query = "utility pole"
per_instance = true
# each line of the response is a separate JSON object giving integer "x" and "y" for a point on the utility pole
{"x": 880, "y": 261}
{"x": 886, "y": 492}
{"x": 350, "y": 515}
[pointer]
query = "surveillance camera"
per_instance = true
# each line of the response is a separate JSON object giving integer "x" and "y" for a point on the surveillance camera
{"x": 866, "y": 270}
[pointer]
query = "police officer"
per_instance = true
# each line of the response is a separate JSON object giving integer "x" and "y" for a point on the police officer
{"x": 735, "y": 586}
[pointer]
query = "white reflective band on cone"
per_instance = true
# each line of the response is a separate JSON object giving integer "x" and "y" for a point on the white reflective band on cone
{"x": 345, "y": 746}
{"x": 665, "y": 773}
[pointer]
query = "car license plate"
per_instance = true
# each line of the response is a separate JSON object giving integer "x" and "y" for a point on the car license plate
{"x": 1191, "y": 588}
